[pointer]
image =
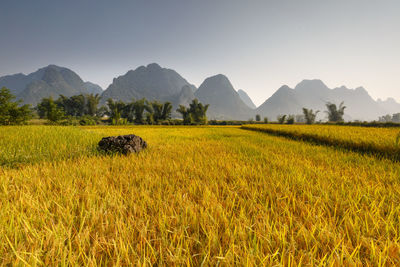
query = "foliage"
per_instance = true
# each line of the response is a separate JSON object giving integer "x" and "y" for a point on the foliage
{"x": 10, "y": 111}
{"x": 310, "y": 115}
{"x": 290, "y": 119}
{"x": 265, "y": 119}
{"x": 92, "y": 102}
{"x": 281, "y": 119}
{"x": 335, "y": 114}
{"x": 195, "y": 114}
{"x": 258, "y": 117}
{"x": 116, "y": 108}
{"x": 139, "y": 107}
{"x": 48, "y": 109}
{"x": 158, "y": 112}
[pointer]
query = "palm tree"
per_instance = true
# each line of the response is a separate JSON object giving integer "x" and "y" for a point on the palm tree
{"x": 139, "y": 108}
{"x": 166, "y": 111}
{"x": 187, "y": 117}
{"x": 310, "y": 115}
{"x": 281, "y": 119}
{"x": 335, "y": 114}
{"x": 92, "y": 104}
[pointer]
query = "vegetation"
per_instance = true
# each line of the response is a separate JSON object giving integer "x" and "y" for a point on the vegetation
{"x": 194, "y": 114}
{"x": 48, "y": 109}
{"x": 258, "y": 117}
{"x": 379, "y": 141}
{"x": 281, "y": 119}
{"x": 390, "y": 118}
{"x": 265, "y": 119}
{"x": 335, "y": 114}
{"x": 174, "y": 204}
{"x": 11, "y": 113}
{"x": 134, "y": 112}
{"x": 310, "y": 115}
{"x": 290, "y": 119}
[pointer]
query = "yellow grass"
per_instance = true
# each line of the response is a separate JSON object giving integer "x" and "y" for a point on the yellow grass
{"x": 381, "y": 141}
{"x": 212, "y": 195}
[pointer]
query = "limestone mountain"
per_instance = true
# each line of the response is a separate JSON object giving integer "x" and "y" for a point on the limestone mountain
{"x": 314, "y": 94}
{"x": 246, "y": 99}
{"x": 93, "y": 88}
{"x": 151, "y": 82}
{"x": 224, "y": 101}
{"x": 48, "y": 81}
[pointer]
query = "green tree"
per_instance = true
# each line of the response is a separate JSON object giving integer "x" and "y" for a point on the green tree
{"x": 290, "y": 119}
{"x": 335, "y": 114}
{"x": 139, "y": 108}
{"x": 198, "y": 111}
{"x": 310, "y": 115}
{"x": 187, "y": 117}
{"x": 49, "y": 110}
{"x": 10, "y": 111}
{"x": 166, "y": 111}
{"x": 265, "y": 119}
{"x": 258, "y": 117}
{"x": 116, "y": 108}
{"x": 281, "y": 119}
{"x": 195, "y": 113}
{"x": 92, "y": 103}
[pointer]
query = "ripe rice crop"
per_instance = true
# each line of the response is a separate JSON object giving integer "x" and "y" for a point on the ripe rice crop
{"x": 197, "y": 195}
{"x": 378, "y": 141}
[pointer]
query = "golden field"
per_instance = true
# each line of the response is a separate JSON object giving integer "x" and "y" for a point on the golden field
{"x": 197, "y": 195}
{"x": 378, "y": 141}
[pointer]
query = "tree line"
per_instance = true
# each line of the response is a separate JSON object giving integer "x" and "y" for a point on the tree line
{"x": 335, "y": 115}
{"x": 86, "y": 109}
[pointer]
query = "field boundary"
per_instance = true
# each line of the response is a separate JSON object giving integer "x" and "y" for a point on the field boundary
{"x": 363, "y": 148}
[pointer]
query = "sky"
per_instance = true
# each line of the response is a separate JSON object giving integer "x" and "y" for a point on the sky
{"x": 258, "y": 45}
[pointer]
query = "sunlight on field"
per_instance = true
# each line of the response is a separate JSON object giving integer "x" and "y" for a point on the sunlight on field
{"x": 365, "y": 139}
{"x": 196, "y": 195}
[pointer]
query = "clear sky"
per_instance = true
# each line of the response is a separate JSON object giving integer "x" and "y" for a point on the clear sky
{"x": 259, "y": 45}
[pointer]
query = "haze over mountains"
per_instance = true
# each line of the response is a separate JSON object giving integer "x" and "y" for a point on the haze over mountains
{"x": 156, "y": 83}
{"x": 48, "y": 81}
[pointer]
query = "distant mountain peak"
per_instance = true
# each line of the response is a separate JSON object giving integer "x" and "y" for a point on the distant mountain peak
{"x": 225, "y": 102}
{"x": 246, "y": 99}
{"x": 154, "y": 66}
{"x": 152, "y": 82}
{"x": 311, "y": 85}
{"x": 51, "y": 80}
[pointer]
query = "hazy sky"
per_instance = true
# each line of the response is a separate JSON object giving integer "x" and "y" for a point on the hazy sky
{"x": 259, "y": 45}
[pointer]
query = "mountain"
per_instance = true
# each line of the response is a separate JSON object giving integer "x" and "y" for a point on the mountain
{"x": 314, "y": 94}
{"x": 48, "y": 81}
{"x": 224, "y": 101}
{"x": 184, "y": 97}
{"x": 151, "y": 82}
{"x": 93, "y": 88}
{"x": 246, "y": 99}
{"x": 390, "y": 105}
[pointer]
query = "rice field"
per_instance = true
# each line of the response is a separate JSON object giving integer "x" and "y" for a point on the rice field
{"x": 197, "y": 195}
{"x": 378, "y": 141}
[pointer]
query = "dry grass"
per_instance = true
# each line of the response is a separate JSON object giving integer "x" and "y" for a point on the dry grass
{"x": 212, "y": 195}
